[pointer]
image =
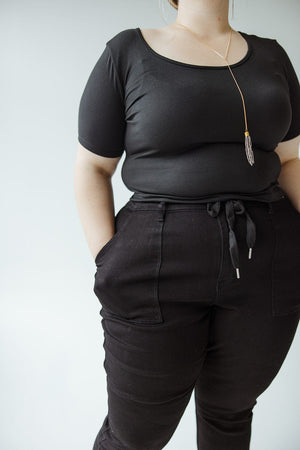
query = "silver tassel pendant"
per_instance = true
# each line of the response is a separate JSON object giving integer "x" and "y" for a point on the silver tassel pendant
{"x": 248, "y": 148}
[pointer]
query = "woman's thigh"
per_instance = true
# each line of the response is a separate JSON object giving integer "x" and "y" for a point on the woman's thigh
{"x": 151, "y": 373}
{"x": 246, "y": 350}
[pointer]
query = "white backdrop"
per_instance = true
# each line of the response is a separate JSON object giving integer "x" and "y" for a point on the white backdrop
{"x": 53, "y": 391}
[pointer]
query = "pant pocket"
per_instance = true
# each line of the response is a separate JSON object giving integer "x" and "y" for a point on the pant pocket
{"x": 126, "y": 280}
{"x": 286, "y": 258}
{"x": 121, "y": 219}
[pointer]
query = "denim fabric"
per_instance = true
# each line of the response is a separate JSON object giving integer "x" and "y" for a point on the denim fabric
{"x": 177, "y": 320}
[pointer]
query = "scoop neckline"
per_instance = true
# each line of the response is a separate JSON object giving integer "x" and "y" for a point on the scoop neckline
{"x": 196, "y": 66}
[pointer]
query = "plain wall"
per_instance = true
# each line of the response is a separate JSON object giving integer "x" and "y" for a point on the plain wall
{"x": 53, "y": 383}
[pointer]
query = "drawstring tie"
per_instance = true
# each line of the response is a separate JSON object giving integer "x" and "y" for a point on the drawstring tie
{"x": 232, "y": 207}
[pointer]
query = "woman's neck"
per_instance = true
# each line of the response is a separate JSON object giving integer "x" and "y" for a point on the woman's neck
{"x": 207, "y": 18}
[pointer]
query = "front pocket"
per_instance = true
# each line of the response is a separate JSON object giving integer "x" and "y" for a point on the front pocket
{"x": 286, "y": 259}
{"x": 121, "y": 220}
{"x": 105, "y": 246}
{"x": 126, "y": 281}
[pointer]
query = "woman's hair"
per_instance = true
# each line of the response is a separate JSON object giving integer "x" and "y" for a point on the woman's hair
{"x": 174, "y": 3}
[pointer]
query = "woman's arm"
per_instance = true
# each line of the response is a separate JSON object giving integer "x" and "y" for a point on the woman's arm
{"x": 289, "y": 178}
{"x": 94, "y": 196}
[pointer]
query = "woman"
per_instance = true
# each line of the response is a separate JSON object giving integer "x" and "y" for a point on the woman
{"x": 197, "y": 274}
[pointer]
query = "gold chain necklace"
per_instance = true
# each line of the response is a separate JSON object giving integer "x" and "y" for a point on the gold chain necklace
{"x": 248, "y": 143}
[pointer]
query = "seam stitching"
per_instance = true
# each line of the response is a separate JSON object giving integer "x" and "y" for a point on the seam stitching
{"x": 121, "y": 93}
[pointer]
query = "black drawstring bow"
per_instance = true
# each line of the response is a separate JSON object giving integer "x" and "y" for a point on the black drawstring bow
{"x": 232, "y": 207}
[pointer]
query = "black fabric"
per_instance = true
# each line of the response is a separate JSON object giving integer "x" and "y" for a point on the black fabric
{"x": 182, "y": 125}
{"x": 176, "y": 319}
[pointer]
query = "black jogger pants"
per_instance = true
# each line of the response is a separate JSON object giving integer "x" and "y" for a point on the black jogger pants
{"x": 177, "y": 317}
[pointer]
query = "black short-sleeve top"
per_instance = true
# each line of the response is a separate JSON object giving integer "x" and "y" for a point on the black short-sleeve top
{"x": 182, "y": 125}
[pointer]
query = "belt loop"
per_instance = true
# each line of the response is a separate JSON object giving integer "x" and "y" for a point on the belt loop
{"x": 162, "y": 210}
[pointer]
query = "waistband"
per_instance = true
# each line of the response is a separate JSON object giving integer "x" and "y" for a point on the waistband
{"x": 232, "y": 207}
{"x": 158, "y": 205}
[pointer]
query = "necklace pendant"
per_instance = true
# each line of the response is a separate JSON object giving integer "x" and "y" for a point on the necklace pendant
{"x": 248, "y": 148}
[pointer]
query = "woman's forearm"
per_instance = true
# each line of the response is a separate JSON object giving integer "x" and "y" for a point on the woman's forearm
{"x": 289, "y": 180}
{"x": 95, "y": 203}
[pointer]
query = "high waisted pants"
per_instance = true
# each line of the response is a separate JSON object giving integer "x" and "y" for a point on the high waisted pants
{"x": 185, "y": 309}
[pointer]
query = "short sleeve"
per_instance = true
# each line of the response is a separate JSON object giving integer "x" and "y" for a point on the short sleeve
{"x": 101, "y": 116}
{"x": 294, "y": 93}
